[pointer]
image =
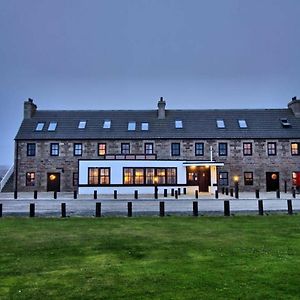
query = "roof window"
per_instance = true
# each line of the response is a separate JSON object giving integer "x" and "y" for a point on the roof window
{"x": 220, "y": 123}
{"x": 285, "y": 122}
{"x": 39, "y": 126}
{"x": 178, "y": 124}
{"x": 243, "y": 123}
{"x": 131, "y": 126}
{"x": 52, "y": 126}
{"x": 82, "y": 124}
{"x": 107, "y": 124}
{"x": 145, "y": 126}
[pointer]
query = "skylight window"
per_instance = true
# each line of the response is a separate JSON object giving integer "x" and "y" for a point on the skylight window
{"x": 82, "y": 124}
{"x": 145, "y": 126}
{"x": 243, "y": 123}
{"x": 52, "y": 126}
{"x": 220, "y": 123}
{"x": 178, "y": 124}
{"x": 131, "y": 126}
{"x": 107, "y": 124}
{"x": 285, "y": 122}
{"x": 39, "y": 126}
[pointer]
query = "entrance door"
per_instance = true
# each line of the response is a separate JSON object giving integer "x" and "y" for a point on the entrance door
{"x": 199, "y": 176}
{"x": 272, "y": 179}
{"x": 53, "y": 182}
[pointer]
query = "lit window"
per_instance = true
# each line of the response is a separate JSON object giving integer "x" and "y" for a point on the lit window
{"x": 101, "y": 149}
{"x": 82, "y": 124}
{"x": 243, "y": 124}
{"x": 93, "y": 176}
{"x": 128, "y": 176}
{"x": 161, "y": 176}
{"x": 295, "y": 148}
{"x": 150, "y": 173}
{"x": 248, "y": 178}
{"x": 106, "y": 124}
{"x": 131, "y": 126}
{"x": 104, "y": 175}
{"x": 145, "y": 126}
{"x": 171, "y": 176}
{"x": 220, "y": 123}
{"x": 178, "y": 124}
{"x": 271, "y": 148}
{"x": 139, "y": 176}
{"x": 247, "y": 149}
{"x": 52, "y": 126}
{"x": 30, "y": 179}
{"x": 39, "y": 126}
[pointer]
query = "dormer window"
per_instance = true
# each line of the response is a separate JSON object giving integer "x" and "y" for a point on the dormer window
{"x": 39, "y": 126}
{"x": 220, "y": 123}
{"x": 81, "y": 124}
{"x": 285, "y": 122}
{"x": 52, "y": 126}
{"x": 178, "y": 124}
{"x": 243, "y": 123}
{"x": 145, "y": 126}
{"x": 131, "y": 126}
{"x": 106, "y": 124}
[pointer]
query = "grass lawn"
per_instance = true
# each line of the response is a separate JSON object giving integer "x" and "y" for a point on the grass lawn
{"x": 150, "y": 258}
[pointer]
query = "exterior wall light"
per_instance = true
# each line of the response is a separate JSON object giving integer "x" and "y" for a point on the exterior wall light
{"x": 236, "y": 178}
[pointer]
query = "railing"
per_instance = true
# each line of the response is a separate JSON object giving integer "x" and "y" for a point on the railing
{"x": 128, "y": 156}
{"x": 6, "y": 177}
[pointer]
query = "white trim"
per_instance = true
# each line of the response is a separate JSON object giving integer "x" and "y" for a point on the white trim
{"x": 202, "y": 163}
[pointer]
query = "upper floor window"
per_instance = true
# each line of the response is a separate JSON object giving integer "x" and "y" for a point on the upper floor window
{"x": 178, "y": 124}
{"x": 77, "y": 149}
{"x": 125, "y": 148}
{"x": 52, "y": 126}
{"x": 145, "y": 126}
{"x": 247, "y": 149}
{"x": 272, "y": 148}
{"x": 81, "y": 124}
{"x": 220, "y": 123}
{"x": 242, "y": 123}
{"x": 131, "y": 126}
{"x": 148, "y": 148}
{"x": 248, "y": 178}
{"x": 54, "y": 149}
{"x": 295, "y": 148}
{"x": 199, "y": 149}
{"x": 175, "y": 149}
{"x": 30, "y": 179}
{"x": 39, "y": 126}
{"x": 101, "y": 149}
{"x": 223, "y": 149}
{"x": 31, "y": 149}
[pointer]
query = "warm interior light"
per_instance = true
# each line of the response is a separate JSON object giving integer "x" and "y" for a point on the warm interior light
{"x": 235, "y": 178}
{"x": 52, "y": 177}
{"x": 193, "y": 167}
{"x": 155, "y": 179}
{"x": 206, "y": 167}
{"x": 274, "y": 176}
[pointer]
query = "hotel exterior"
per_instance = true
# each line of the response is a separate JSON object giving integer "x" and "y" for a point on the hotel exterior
{"x": 127, "y": 150}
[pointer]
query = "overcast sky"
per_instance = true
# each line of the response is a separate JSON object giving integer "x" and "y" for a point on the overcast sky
{"x": 125, "y": 54}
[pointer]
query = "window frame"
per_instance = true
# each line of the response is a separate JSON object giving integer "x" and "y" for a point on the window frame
{"x": 247, "y": 151}
{"x": 30, "y": 180}
{"x": 52, "y": 150}
{"x": 298, "y": 149}
{"x": 31, "y": 151}
{"x": 124, "y": 151}
{"x": 52, "y": 126}
{"x": 248, "y": 181}
{"x": 39, "y": 126}
{"x": 174, "y": 151}
{"x": 226, "y": 149}
{"x": 99, "y": 150}
{"x": 269, "y": 150}
{"x": 196, "y": 150}
{"x": 75, "y": 151}
{"x": 226, "y": 179}
{"x": 97, "y": 179}
{"x": 146, "y": 150}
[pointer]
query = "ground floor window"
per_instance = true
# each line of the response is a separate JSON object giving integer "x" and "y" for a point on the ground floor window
{"x": 248, "y": 178}
{"x": 149, "y": 176}
{"x": 98, "y": 176}
{"x": 223, "y": 178}
{"x": 30, "y": 179}
{"x": 296, "y": 178}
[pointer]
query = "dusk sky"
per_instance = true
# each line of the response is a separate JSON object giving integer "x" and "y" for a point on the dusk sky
{"x": 125, "y": 54}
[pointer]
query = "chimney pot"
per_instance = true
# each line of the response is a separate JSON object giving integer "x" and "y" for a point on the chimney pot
{"x": 29, "y": 109}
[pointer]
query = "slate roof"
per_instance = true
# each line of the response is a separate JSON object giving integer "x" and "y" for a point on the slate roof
{"x": 197, "y": 124}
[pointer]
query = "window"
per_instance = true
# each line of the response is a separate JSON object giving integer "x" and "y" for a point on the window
{"x": 30, "y": 179}
{"x": 148, "y": 148}
{"x": 139, "y": 176}
{"x": 81, "y": 124}
{"x": 131, "y": 126}
{"x": 171, "y": 176}
{"x": 145, "y": 126}
{"x": 199, "y": 149}
{"x": 75, "y": 179}
{"x": 178, "y": 124}
{"x": 248, "y": 178}
{"x": 77, "y": 149}
{"x": 220, "y": 123}
{"x": 31, "y": 149}
{"x": 272, "y": 148}
{"x": 161, "y": 176}
{"x": 98, "y": 176}
{"x": 93, "y": 176}
{"x": 52, "y": 126}
{"x": 296, "y": 178}
{"x": 223, "y": 178}
{"x": 104, "y": 176}
{"x": 295, "y": 148}
{"x": 125, "y": 148}
{"x": 222, "y": 149}
{"x": 54, "y": 149}
{"x": 101, "y": 149}
{"x": 175, "y": 149}
{"x": 247, "y": 149}
{"x": 39, "y": 126}
{"x": 150, "y": 173}
{"x": 106, "y": 124}
{"x": 242, "y": 123}
{"x": 128, "y": 176}
{"x": 285, "y": 122}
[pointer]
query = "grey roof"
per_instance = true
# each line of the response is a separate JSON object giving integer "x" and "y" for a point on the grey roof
{"x": 197, "y": 124}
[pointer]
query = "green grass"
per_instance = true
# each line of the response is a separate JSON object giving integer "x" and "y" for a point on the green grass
{"x": 150, "y": 258}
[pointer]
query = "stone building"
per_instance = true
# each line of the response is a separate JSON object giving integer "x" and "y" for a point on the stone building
{"x": 130, "y": 150}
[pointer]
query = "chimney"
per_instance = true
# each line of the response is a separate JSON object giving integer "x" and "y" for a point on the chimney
{"x": 161, "y": 112}
{"x": 29, "y": 109}
{"x": 294, "y": 105}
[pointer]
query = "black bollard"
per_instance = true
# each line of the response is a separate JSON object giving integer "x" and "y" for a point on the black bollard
{"x": 294, "y": 192}
{"x": 216, "y": 194}
{"x": 226, "y": 191}
{"x": 15, "y": 195}
{"x": 136, "y": 194}
{"x": 115, "y": 194}
{"x": 155, "y": 192}
{"x": 95, "y": 195}
{"x": 195, "y": 209}
{"x": 179, "y": 191}
{"x": 257, "y": 194}
{"x": 223, "y": 190}
{"x": 196, "y": 194}
{"x": 129, "y": 209}
{"x": 172, "y": 192}
{"x": 176, "y": 194}
{"x": 260, "y": 208}
{"x": 161, "y": 209}
{"x": 236, "y": 190}
{"x": 184, "y": 191}
{"x": 75, "y": 195}
{"x": 98, "y": 210}
{"x": 31, "y": 210}
{"x": 226, "y": 208}
{"x": 0, "y": 210}
{"x": 278, "y": 194}
{"x": 35, "y": 194}
{"x": 290, "y": 207}
{"x": 63, "y": 210}
{"x": 55, "y": 195}
{"x": 165, "y": 193}
{"x": 231, "y": 192}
